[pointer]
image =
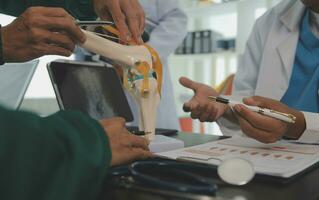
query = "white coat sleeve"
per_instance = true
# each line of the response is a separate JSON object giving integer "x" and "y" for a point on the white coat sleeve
{"x": 171, "y": 29}
{"x": 249, "y": 63}
{"x": 246, "y": 76}
{"x": 311, "y": 134}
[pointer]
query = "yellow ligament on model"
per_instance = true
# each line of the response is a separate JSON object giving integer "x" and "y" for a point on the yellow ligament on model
{"x": 156, "y": 62}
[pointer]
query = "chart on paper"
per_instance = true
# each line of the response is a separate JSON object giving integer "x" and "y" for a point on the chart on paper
{"x": 279, "y": 159}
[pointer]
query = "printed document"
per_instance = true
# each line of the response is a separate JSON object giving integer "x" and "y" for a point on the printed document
{"x": 282, "y": 159}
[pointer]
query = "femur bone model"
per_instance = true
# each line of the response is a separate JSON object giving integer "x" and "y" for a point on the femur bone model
{"x": 141, "y": 72}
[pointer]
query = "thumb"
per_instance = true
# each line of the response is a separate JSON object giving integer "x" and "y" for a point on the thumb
{"x": 250, "y": 101}
{"x": 187, "y": 107}
{"x": 188, "y": 83}
{"x": 259, "y": 101}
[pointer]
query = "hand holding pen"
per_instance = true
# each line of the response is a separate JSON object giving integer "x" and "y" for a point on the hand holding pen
{"x": 269, "y": 129}
{"x": 285, "y": 117}
{"x": 263, "y": 128}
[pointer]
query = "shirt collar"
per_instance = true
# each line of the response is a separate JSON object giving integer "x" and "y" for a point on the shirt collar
{"x": 306, "y": 34}
{"x": 292, "y": 15}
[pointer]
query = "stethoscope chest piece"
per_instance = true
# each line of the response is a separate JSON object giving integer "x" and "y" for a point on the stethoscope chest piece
{"x": 236, "y": 171}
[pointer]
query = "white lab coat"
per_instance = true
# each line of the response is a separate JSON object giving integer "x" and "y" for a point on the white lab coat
{"x": 266, "y": 66}
{"x": 168, "y": 33}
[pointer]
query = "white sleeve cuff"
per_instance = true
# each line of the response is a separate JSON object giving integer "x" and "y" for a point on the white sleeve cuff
{"x": 311, "y": 133}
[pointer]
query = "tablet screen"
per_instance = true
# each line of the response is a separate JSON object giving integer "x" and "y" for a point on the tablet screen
{"x": 91, "y": 88}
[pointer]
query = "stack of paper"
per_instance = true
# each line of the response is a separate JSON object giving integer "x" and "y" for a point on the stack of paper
{"x": 282, "y": 159}
{"x": 163, "y": 143}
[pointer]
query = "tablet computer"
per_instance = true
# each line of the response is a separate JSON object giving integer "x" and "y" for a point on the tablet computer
{"x": 92, "y": 88}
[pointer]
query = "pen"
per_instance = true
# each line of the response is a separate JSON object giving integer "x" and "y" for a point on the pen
{"x": 138, "y": 133}
{"x": 93, "y": 23}
{"x": 289, "y": 118}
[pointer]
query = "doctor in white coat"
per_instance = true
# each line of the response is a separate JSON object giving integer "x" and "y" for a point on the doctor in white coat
{"x": 269, "y": 68}
{"x": 166, "y": 24}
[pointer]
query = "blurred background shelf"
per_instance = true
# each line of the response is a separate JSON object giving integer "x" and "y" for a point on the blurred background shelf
{"x": 195, "y": 9}
{"x": 204, "y": 55}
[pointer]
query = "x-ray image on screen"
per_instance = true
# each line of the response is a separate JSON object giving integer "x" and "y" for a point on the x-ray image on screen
{"x": 95, "y": 90}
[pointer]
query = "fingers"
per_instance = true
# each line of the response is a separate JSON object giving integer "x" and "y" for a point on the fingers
{"x": 137, "y": 142}
{"x": 50, "y": 11}
{"x": 260, "y": 102}
{"x": 186, "y": 82}
{"x": 50, "y": 43}
{"x": 112, "y": 121}
{"x": 187, "y": 107}
{"x": 250, "y": 101}
{"x": 55, "y": 50}
{"x": 191, "y": 105}
{"x": 212, "y": 115}
{"x": 129, "y": 18}
{"x": 53, "y": 19}
{"x": 140, "y": 154}
{"x": 136, "y": 20}
{"x": 119, "y": 19}
{"x": 258, "y": 120}
{"x": 205, "y": 114}
{"x": 141, "y": 17}
{"x": 61, "y": 40}
{"x": 257, "y": 134}
{"x": 57, "y": 24}
{"x": 116, "y": 127}
{"x": 262, "y": 128}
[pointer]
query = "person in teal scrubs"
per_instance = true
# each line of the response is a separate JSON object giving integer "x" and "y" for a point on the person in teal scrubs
{"x": 65, "y": 155}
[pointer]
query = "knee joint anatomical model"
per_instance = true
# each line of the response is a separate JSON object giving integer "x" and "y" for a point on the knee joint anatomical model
{"x": 141, "y": 72}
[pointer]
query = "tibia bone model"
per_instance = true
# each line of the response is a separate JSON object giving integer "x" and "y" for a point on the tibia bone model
{"x": 142, "y": 75}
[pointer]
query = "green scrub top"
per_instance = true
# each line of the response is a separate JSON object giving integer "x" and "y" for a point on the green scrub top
{"x": 80, "y": 9}
{"x": 63, "y": 156}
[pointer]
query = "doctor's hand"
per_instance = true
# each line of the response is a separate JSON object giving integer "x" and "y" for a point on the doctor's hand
{"x": 200, "y": 106}
{"x": 266, "y": 129}
{"x": 40, "y": 31}
{"x": 125, "y": 146}
{"x": 128, "y": 16}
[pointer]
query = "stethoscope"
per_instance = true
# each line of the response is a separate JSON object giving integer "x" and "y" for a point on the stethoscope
{"x": 184, "y": 176}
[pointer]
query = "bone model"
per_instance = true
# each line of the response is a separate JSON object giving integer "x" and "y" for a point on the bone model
{"x": 142, "y": 75}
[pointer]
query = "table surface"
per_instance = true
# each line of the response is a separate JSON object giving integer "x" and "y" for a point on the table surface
{"x": 304, "y": 187}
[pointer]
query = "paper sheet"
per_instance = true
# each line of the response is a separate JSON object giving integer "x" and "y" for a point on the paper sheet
{"x": 281, "y": 159}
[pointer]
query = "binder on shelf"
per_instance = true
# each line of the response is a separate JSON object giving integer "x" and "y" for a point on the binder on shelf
{"x": 197, "y": 42}
{"x": 206, "y": 41}
{"x": 188, "y": 44}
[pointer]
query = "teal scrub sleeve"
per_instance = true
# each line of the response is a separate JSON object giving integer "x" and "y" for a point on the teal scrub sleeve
{"x": 63, "y": 156}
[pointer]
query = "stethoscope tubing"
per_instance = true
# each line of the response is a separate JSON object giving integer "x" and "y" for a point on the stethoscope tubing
{"x": 200, "y": 184}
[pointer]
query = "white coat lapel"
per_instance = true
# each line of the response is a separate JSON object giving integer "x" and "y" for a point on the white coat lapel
{"x": 279, "y": 53}
{"x": 287, "y": 48}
